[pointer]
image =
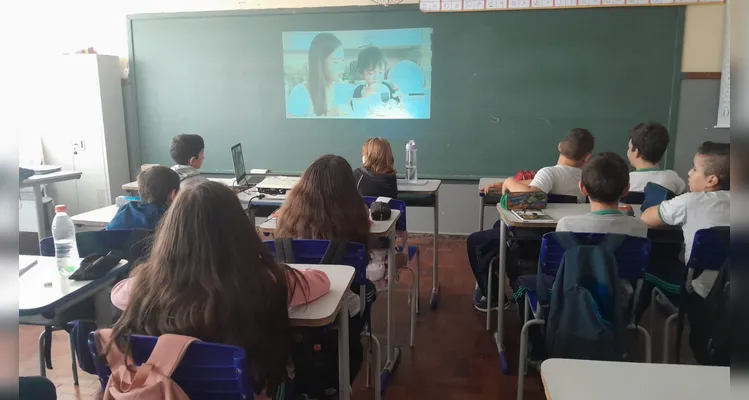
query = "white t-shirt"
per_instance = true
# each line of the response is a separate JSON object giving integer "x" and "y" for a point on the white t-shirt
{"x": 694, "y": 211}
{"x": 559, "y": 179}
{"x": 666, "y": 178}
{"x": 604, "y": 222}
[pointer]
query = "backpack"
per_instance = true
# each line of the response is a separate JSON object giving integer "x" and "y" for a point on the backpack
{"x": 710, "y": 332}
{"x": 587, "y": 314}
{"x": 150, "y": 380}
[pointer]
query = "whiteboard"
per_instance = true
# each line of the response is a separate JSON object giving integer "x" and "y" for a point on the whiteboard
{"x": 724, "y": 101}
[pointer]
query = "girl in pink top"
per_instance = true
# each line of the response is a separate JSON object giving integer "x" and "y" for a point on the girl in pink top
{"x": 209, "y": 276}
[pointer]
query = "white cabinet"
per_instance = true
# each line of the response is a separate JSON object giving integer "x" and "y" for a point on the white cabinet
{"x": 85, "y": 130}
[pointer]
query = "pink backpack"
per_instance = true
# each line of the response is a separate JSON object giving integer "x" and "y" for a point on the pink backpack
{"x": 150, "y": 380}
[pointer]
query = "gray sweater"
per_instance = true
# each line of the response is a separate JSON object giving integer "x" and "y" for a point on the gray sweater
{"x": 188, "y": 175}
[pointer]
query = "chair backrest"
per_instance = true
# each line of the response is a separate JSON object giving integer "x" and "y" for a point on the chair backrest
{"x": 632, "y": 256}
{"x": 633, "y": 198}
{"x": 400, "y": 205}
{"x": 710, "y": 248}
{"x": 562, "y": 198}
{"x": 207, "y": 371}
{"x": 308, "y": 251}
{"x": 130, "y": 242}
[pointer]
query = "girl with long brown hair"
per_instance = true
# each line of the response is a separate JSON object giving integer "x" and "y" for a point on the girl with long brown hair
{"x": 325, "y": 205}
{"x": 376, "y": 177}
{"x": 209, "y": 276}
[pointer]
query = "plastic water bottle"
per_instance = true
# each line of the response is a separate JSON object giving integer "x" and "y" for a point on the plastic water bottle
{"x": 66, "y": 250}
{"x": 411, "y": 174}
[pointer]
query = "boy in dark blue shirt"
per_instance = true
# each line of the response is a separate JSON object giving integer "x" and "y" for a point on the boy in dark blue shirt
{"x": 157, "y": 187}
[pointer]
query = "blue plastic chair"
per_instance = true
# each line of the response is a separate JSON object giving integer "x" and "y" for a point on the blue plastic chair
{"x": 308, "y": 251}
{"x": 207, "y": 371}
{"x": 413, "y": 251}
{"x": 710, "y": 249}
{"x": 632, "y": 257}
{"x": 130, "y": 242}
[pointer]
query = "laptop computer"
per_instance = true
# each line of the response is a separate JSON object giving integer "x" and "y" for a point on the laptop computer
{"x": 242, "y": 179}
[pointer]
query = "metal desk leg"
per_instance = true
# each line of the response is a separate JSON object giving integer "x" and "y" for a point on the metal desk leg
{"x": 41, "y": 226}
{"x": 482, "y": 204}
{"x": 393, "y": 353}
{"x": 344, "y": 372}
{"x": 435, "y": 269}
{"x": 498, "y": 337}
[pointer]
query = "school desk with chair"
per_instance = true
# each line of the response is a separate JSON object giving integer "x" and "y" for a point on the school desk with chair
{"x": 508, "y": 219}
{"x": 379, "y": 229}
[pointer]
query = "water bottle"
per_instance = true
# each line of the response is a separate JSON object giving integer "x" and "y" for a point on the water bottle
{"x": 66, "y": 250}
{"x": 411, "y": 161}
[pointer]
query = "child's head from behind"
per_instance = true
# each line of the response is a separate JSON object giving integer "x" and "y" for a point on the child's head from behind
{"x": 158, "y": 185}
{"x": 209, "y": 276}
{"x": 187, "y": 150}
{"x": 371, "y": 63}
{"x": 605, "y": 178}
{"x": 577, "y": 146}
{"x": 325, "y": 204}
{"x": 377, "y": 156}
{"x": 647, "y": 142}
{"x": 712, "y": 168}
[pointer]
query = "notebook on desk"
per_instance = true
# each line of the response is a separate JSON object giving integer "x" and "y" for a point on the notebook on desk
{"x": 532, "y": 216}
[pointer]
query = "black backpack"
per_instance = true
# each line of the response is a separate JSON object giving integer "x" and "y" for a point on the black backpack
{"x": 588, "y": 307}
{"x": 710, "y": 332}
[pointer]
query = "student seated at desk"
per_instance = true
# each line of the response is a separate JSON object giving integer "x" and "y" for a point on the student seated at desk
{"x": 209, "y": 276}
{"x": 187, "y": 152}
{"x": 647, "y": 144}
{"x": 562, "y": 179}
{"x": 605, "y": 179}
{"x": 377, "y": 177}
{"x": 157, "y": 187}
{"x": 326, "y": 205}
{"x": 707, "y": 205}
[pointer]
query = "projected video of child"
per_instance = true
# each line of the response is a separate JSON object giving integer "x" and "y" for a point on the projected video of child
{"x": 358, "y": 74}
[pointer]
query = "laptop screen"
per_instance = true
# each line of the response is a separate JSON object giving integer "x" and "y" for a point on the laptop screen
{"x": 238, "y": 159}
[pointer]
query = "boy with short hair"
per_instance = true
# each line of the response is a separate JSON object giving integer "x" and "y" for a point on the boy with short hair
{"x": 187, "y": 152}
{"x": 647, "y": 144}
{"x": 707, "y": 204}
{"x": 562, "y": 179}
{"x": 605, "y": 180}
{"x": 157, "y": 187}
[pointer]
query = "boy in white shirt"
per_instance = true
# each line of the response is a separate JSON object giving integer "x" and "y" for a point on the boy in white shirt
{"x": 605, "y": 179}
{"x": 562, "y": 179}
{"x": 647, "y": 144}
{"x": 707, "y": 204}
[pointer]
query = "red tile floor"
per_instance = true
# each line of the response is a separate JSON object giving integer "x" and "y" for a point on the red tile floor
{"x": 453, "y": 358}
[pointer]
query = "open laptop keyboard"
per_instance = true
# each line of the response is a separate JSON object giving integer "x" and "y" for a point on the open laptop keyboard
{"x": 253, "y": 180}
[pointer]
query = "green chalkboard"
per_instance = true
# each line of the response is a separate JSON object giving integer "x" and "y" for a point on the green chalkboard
{"x": 506, "y": 86}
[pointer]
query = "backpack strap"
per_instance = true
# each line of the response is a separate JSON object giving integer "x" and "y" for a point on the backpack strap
{"x": 567, "y": 240}
{"x": 613, "y": 241}
{"x": 115, "y": 357}
{"x": 284, "y": 250}
{"x": 335, "y": 252}
{"x": 168, "y": 352}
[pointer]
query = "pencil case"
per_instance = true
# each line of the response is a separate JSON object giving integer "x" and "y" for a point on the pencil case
{"x": 524, "y": 201}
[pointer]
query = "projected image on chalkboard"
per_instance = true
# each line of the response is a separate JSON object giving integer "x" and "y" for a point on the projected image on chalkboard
{"x": 358, "y": 74}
